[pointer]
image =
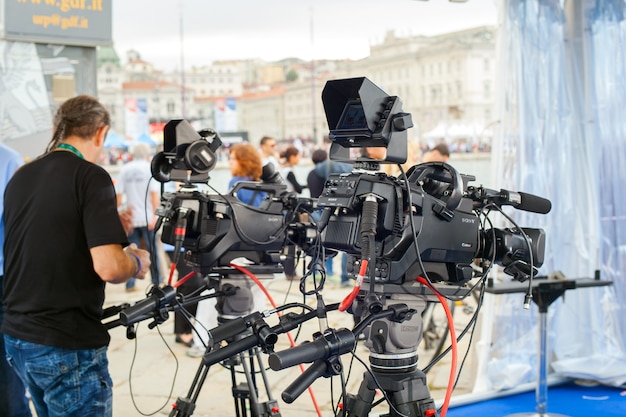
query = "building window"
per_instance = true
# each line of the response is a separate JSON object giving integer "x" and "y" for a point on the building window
{"x": 435, "y": 93}
{"x": 486, "y": 89}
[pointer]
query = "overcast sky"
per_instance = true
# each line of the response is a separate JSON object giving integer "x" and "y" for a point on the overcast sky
{"x": 276, "y": 29}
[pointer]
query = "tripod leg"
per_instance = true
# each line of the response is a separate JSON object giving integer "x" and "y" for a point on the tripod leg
{"x": 413, "y": 398}
{"x": 246, "y": 393}
{"x": 270, "y": 408}
{"x": 360, "y": 405}
{"x": 250, "y": 380}
{"x": 240, "y": 392}
{"x": 185, "y": 407}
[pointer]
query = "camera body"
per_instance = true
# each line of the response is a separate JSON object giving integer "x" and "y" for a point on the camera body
{"x": 447, "y": 241}
{"x": 219, "y": 229}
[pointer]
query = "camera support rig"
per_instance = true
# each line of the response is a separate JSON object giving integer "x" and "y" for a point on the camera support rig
{"x": 237, "y": 320}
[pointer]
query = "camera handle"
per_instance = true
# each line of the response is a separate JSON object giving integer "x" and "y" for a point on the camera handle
{"x": 325, "y": 351}
{"x": 185, "y": 406}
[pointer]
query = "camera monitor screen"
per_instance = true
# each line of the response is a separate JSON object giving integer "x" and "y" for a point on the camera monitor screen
{"x": 353, "y": 117}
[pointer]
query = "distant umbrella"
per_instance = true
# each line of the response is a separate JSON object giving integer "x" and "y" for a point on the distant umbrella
{"x": 145, "y": 138}
{"x": 114, "y": 140}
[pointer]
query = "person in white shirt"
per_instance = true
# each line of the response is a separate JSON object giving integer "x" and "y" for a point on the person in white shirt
{"x": 137, "y": 192}
{"x": 269, "y": 154}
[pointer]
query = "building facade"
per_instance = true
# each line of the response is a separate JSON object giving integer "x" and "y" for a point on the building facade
{"x": 445, "y": 82}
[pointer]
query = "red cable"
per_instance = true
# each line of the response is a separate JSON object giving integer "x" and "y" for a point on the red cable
{"x": 443, "y": 301}
{"x": 291, "y": 341}
{"x": 172, "y": 269}
{"x": 183, "y": 279}
{"x": 347, "y": 302}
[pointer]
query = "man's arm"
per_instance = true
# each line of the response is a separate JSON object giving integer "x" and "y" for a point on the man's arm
{"x": 116, "y": 265}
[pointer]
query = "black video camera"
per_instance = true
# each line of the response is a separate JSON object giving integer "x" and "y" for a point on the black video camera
{"x": 422, "y": 224}
{"x": 215, "y": 229}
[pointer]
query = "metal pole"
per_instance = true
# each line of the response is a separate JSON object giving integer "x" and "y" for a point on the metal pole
{"x": 541, "y": 392}
{"x": 182, "y": 61}
{"x": 313, "y": 98}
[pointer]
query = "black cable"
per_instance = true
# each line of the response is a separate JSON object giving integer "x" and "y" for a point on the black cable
{"x": 316, "y": 269}
{"x": 130, "y": 372}
{"x": 342, "y": 398}
{"x": 369, "y": 371}
{"x": 469, "y": 344}
{"x": 436, "y": 360}
{"x": 344, "y": 392}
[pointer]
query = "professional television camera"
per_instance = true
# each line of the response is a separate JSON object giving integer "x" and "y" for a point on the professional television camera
{"x": 426, "y": 223}
{"x": 215, "y": 229}
{"x": 423, "y": 224}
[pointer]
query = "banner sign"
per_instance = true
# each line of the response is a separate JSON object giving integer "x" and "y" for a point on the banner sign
{"x": 136, "y": 117}
{"x": 225, "y": 114}
{"x": 65, "y": 22}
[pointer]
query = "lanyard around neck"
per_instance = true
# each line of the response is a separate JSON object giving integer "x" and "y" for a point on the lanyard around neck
{"x": 70, "y": 148}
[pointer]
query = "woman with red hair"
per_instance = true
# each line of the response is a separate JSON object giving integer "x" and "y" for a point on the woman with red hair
{"x": 245, "y": 165}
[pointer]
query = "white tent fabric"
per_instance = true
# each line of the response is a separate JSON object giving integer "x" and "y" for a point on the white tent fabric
{"x": 438, "y": 132}
{"x": 455, "y": 131}
{"x": 563, "y": 137}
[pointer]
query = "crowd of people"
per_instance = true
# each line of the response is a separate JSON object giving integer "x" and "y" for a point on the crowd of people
{"x": 58, "y": 257}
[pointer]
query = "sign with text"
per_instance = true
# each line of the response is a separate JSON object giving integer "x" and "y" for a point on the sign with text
{"x": 65, "y": 22}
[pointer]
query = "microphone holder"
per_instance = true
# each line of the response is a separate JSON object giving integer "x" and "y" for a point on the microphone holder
{"x": 544, "y": 292}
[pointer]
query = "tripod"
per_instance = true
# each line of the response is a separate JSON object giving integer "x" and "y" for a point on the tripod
{"x": 393, "y": 361}
{"x": 243, "y": 331}
{"x": 394, "y": 330}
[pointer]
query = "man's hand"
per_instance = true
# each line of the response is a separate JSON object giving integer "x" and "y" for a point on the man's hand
{"x": 141, "y": 258}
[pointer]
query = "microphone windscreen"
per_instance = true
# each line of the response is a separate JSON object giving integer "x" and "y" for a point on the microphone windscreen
{"x": 535, "y": 204}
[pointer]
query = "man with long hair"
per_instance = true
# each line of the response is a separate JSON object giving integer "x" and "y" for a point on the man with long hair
{"x": 63, "y": 242}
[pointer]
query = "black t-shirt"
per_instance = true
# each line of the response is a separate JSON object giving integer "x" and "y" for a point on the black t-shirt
{"x": 56, "y": 209}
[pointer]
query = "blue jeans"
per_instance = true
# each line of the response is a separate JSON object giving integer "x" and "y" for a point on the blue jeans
{"x": 344, "y": 264}
{"x": 13, "y": 401}
{"x": 328, "y": 266}
{"x": 62, "y": 382}
{"x": 148, "y": 236}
